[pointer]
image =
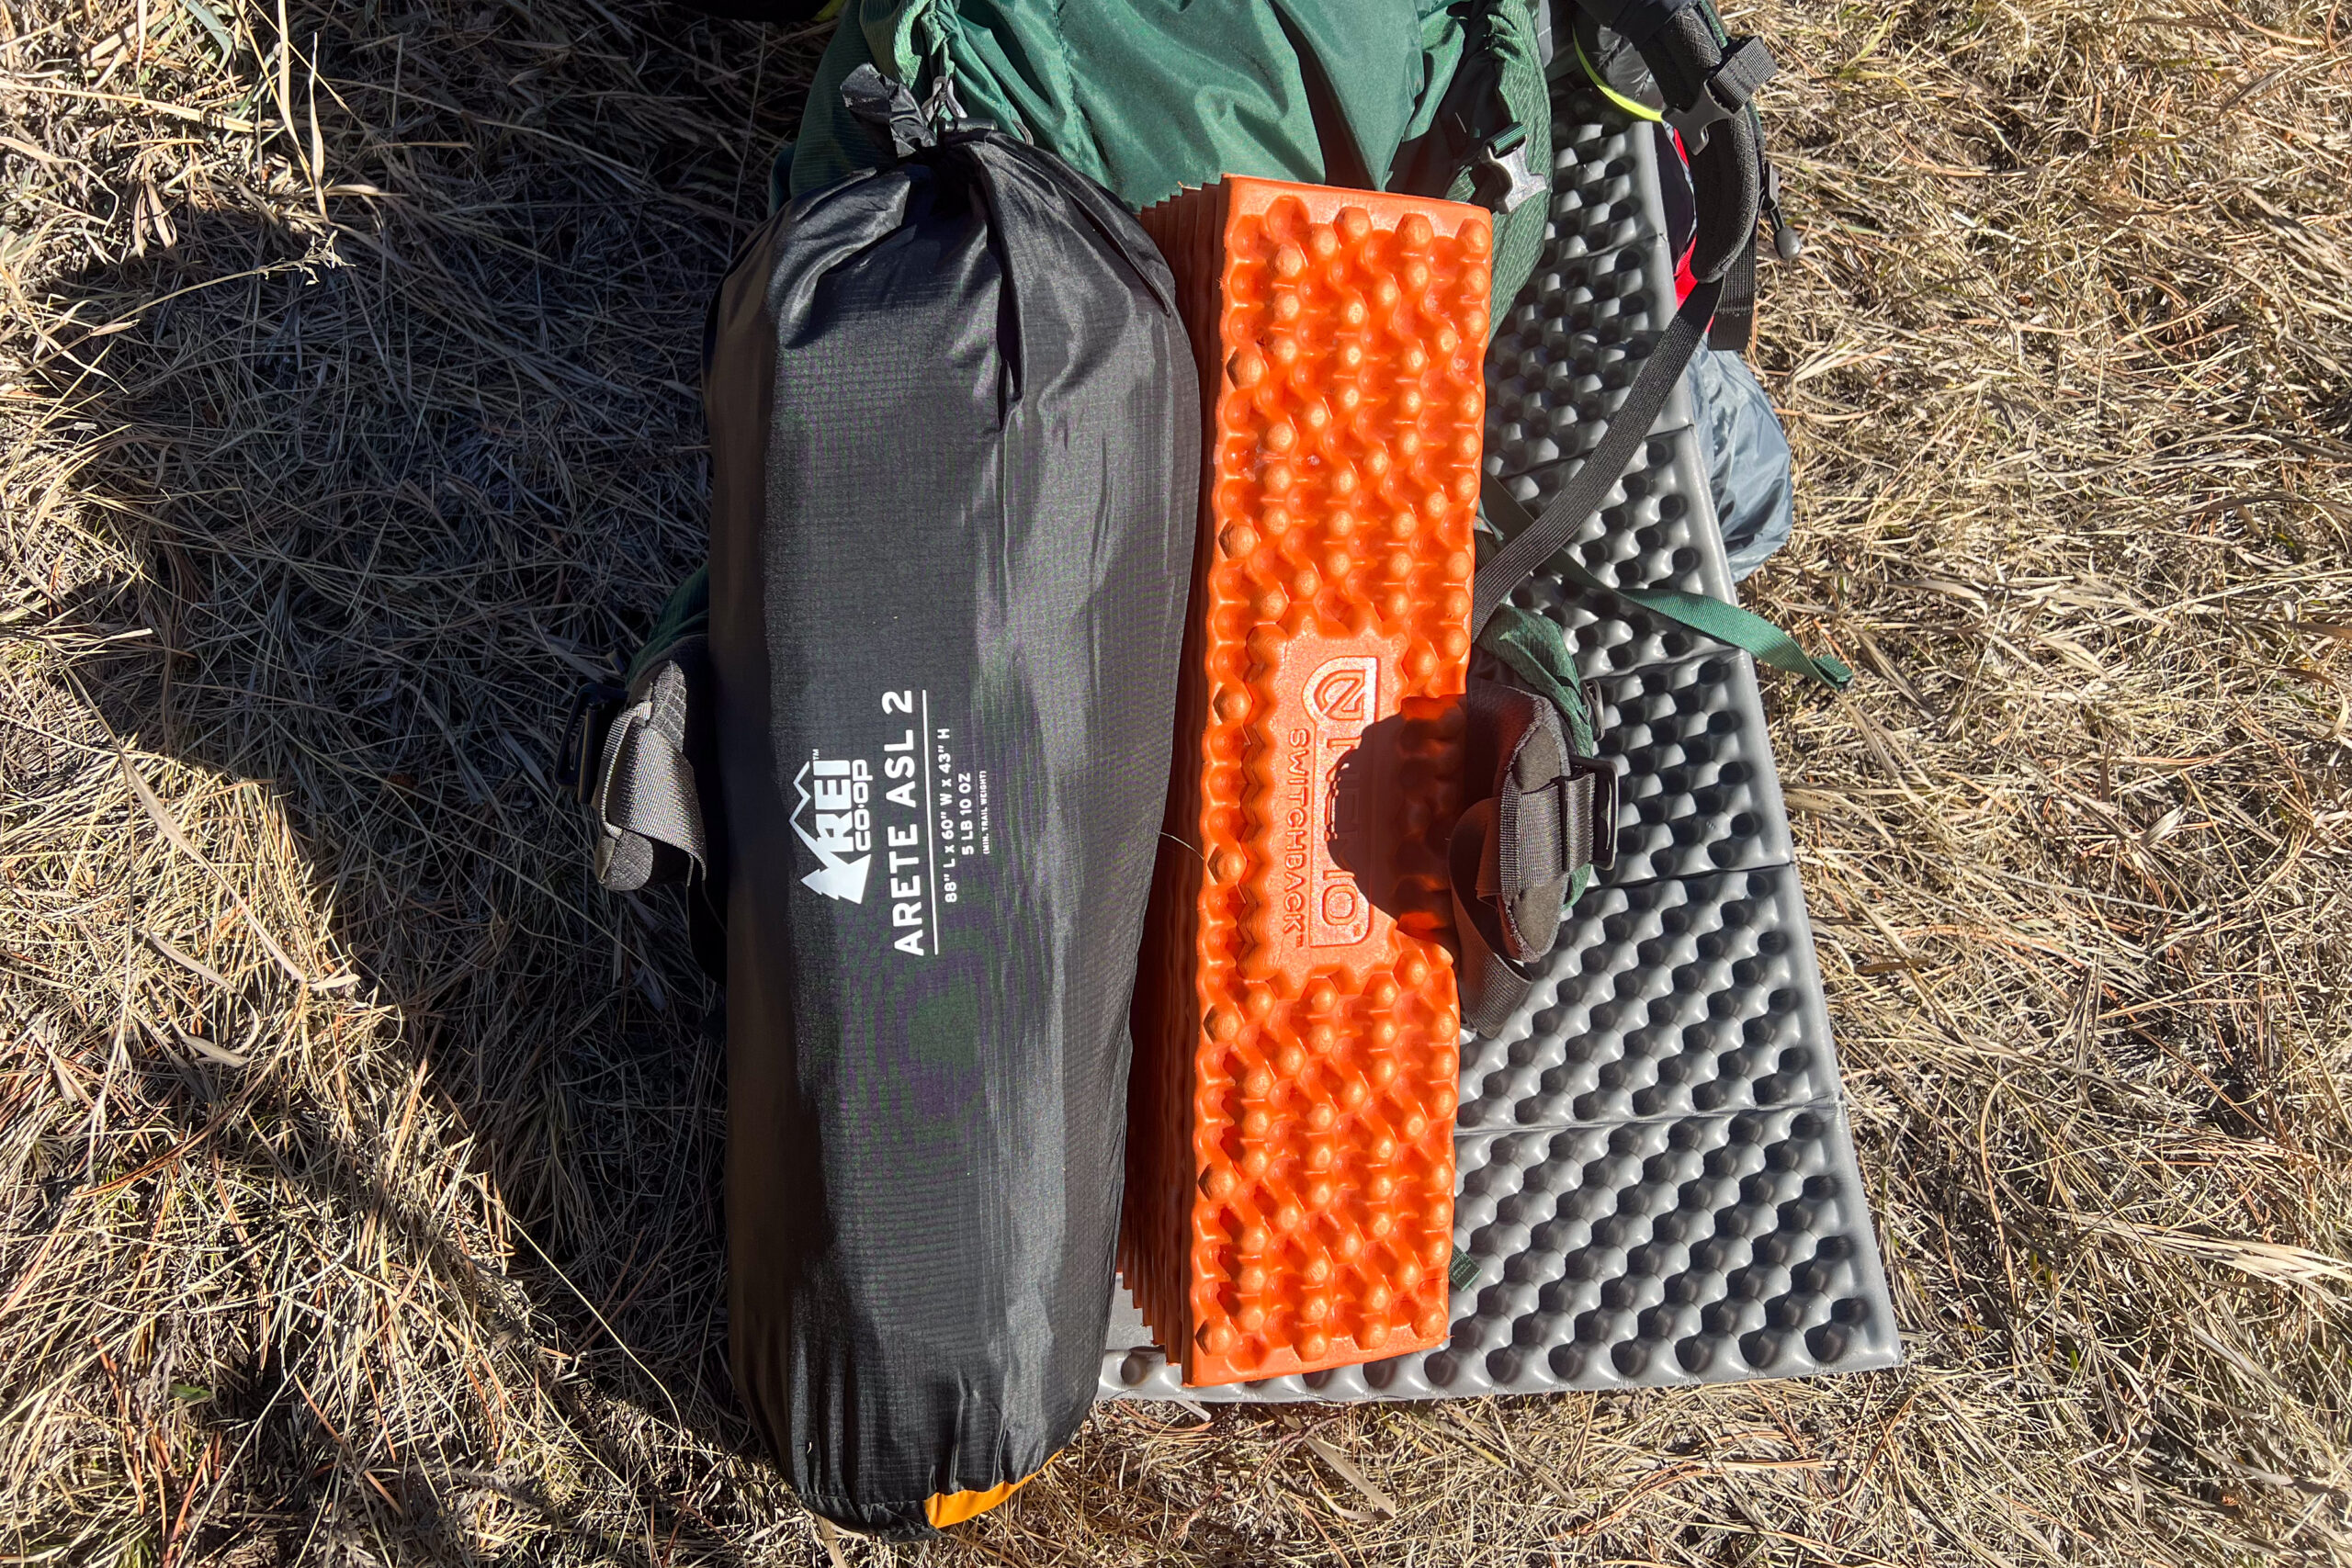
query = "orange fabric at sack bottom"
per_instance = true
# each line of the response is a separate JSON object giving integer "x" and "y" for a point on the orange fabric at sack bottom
{"x": 944, "y": 1508}
{"x": 1290, "y": 1185}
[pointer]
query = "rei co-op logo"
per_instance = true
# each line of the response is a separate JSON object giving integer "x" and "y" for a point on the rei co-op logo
{"x": 837, "y": 826}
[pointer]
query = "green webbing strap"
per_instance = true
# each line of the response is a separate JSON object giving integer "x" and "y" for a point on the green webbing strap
{"x": 1715, "y": 618}
{"x": 1533, "y": 649}
{"x": 686, "y": 614}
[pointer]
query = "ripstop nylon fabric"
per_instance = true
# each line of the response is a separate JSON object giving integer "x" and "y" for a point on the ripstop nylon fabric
{"x": 955, "y": 465}
{"x": 1147, "y": 97}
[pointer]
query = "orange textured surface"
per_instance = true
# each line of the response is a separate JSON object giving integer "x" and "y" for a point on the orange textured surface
{"x": 1291, "y": 1133}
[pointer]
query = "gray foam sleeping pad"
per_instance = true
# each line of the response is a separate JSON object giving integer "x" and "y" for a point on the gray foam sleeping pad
{"x": 1656, "y": 1178}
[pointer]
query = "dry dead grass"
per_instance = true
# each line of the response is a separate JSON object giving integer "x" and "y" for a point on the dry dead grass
{"x": 357, "y": 1158}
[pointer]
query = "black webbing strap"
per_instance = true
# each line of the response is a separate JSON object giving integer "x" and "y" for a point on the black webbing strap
{"x": 594, "y": 707}
{"x": 1516, "y": 856}
{"x": 1735, "y": 324}
{"x": 1491, "y": 986}
{"x": 648, "y": 815}
{"x": 1689, "y": 60}
{"x": 1721, "y": 88}
{"x": 1581, "y": 497}
{"x": 1639, "y": 20}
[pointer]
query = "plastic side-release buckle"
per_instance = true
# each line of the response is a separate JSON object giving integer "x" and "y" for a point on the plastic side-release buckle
{"x": 594, "y": 708}
{"x": 1502, "y": 175}
{"x": 1724, "y": 91}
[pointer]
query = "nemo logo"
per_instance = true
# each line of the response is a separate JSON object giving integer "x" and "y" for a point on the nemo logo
{"x": 1344, "y": 691}
{"x": 1344, "y": 697}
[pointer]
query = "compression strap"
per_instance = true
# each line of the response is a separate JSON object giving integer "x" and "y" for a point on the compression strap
{"x": 1710, "y": 617}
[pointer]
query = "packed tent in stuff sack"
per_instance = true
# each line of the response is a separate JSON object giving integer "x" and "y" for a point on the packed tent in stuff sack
{"x": 906, "y": 742}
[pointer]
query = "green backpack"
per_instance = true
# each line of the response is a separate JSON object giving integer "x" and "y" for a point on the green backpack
{"x": 1430, "y": 98}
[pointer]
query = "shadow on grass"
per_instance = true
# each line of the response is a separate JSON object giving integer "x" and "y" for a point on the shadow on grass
{"x": 401, "y": 433}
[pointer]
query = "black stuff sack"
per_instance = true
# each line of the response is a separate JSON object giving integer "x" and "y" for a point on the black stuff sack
{"x": 955, "y": 456}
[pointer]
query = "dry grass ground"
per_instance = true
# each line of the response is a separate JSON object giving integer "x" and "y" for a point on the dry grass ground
{"x": 357, "y": 1158}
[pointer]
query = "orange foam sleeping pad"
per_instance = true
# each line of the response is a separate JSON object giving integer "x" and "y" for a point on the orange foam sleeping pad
{"x": 1290, "y": 1176}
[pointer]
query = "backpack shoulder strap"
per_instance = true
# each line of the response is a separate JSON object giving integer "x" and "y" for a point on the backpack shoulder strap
{"x": 1543, "y": 537}
{"x": 1706, "y": 77}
